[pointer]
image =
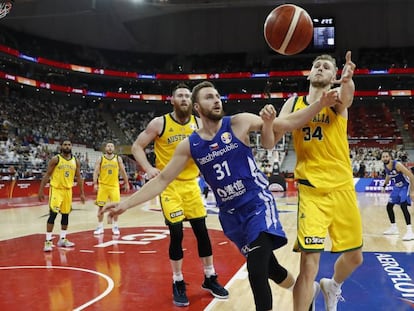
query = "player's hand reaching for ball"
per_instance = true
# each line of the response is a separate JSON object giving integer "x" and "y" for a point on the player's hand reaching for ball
{"x": 348, "y": 70}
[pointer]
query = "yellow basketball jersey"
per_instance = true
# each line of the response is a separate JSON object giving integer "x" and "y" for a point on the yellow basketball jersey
{"x": 322, "y": 150}
{"x": 172, "y": 134}
{"x": 108, "y": 174}
{"x": 64, "y": 173}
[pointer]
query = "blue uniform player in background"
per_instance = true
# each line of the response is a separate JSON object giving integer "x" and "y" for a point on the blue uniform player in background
{"x": 403, "y": 190}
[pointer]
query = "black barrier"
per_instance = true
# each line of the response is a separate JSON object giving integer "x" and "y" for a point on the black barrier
{"x": 277, "y": 183}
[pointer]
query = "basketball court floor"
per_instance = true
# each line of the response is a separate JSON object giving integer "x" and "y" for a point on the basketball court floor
{"x": 132, "y": 271}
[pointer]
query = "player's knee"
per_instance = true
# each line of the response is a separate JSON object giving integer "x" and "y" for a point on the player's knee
{"x": 354, "y": 258}
{"x": 176, "y": 239}
{"x": 202, "y": 236}
{"x": 278, "y": 273}
{"x": 65, "y": 220}
{"x": 52, "y": 217}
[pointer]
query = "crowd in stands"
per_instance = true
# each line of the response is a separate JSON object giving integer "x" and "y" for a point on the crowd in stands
{"x": 133, "y": 123}
{"x": 366, "y": 162}
{"x": 37, "y": 119}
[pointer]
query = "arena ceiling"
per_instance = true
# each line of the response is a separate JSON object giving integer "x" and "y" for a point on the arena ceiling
{"x": 177, "y": 26}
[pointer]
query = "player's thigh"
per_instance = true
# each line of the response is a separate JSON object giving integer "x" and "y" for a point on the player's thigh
{"x": 172, "y": 204}
{"x": 314, "y": 217}
{"x": 193, "y": 205}
{"x": 66, "y": 206}
{"x": 346, "y": 228}
{"x": 55, "y": 199}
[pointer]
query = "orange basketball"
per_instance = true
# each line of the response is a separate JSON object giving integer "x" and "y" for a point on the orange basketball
{"x": 288, "y": 29}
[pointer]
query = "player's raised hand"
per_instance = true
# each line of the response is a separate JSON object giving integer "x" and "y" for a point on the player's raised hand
{"x": 348, "y": 70}
{"x": 268, "y": 113}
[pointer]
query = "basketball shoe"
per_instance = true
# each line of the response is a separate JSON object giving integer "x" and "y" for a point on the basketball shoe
{"x": 64, "y": 242}
{"x": 392, "y": 230}
{"x": 408, "y": 236}
{"x": 98, "y": 231}
{"x": 179, "y": 294}
{"x": 316, "y": 290}
{"x": 331, "y": 294}
{"x": 48, "y": 246}
{"x": 115, "y": 230}
{"x": 214, "y": 287}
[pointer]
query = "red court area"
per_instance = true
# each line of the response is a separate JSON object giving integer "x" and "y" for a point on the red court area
{"x": 131, "y": 272}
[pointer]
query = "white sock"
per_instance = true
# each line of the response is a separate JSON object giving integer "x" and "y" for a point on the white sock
{"x": 409, "y": 229}
{"x": 63, "y": 234}
{"x": 48, "y": 236}
{"x": 393, "y": 225}
{"x": 178, "y": 276}
{"x": 209, "y": 271}
{"x": 100, "y": 224}
{"x": 114, "y": 224}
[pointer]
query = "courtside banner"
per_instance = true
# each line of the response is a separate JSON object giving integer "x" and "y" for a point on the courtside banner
{"x": 371, "y": 185}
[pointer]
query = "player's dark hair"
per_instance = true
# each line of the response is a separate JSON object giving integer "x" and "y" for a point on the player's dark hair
{"x": 180, "y": 86}
{"x": 198, "y": 87}
{"x": 387, "y": 151}
{"x": 65, "y": 139}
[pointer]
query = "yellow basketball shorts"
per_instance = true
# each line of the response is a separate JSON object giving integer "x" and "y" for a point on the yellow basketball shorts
{"x": 181, "y": 200}
{"x": 107, "y": 194}
{"x": 60, "y": 200}
{"x": 335, "y": 213}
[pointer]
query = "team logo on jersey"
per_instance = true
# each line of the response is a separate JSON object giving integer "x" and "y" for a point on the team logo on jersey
{"x": 226, "y": 137}
{"x": 176, "y": 214}
{"x": 313, "y": 240}
{"x": 193, "y": 126}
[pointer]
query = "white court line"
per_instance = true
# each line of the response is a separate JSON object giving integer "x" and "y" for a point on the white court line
{"x": 85, "y": 305}
{"x": 237, "y": 276}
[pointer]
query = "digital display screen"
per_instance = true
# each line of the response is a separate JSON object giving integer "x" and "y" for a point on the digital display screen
{"x": 324, "y": 34}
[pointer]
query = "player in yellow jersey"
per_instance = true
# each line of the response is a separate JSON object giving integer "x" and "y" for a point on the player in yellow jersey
{"x": 181, "y": 200}
{"x": 106, "y": 183}
{"x": 327, "y": 198}
{"x": 61, "y": 171}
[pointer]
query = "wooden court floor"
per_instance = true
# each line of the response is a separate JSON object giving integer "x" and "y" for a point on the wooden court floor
{"x": 132, "y": 272}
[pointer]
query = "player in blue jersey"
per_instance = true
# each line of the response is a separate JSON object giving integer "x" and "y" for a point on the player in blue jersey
{"x": 402, "y": 193}
{"x": 247, "y": 209}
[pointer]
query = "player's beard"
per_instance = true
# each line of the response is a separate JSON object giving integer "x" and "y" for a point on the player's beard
{"x": 183, "y": 112}
{"x": 214, "y": 116}
{"x": 66, "y": 151}
{"x": 386, "y": 162}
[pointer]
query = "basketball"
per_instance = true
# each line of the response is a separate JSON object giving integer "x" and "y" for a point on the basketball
{"x": 288, "y": 29}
